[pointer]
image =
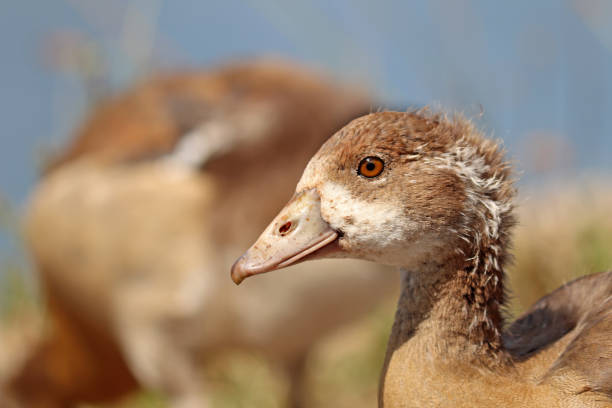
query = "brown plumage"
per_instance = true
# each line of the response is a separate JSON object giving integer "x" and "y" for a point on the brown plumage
{"x": 132, "y": 225}
{"x": 581, "y": 311}
{"x": 442, "y": 210}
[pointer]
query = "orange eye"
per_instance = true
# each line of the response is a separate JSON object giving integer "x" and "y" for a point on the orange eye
{"x": 370, "y": 167}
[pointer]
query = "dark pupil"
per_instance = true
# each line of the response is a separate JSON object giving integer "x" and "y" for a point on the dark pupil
{"x": 370, "y": 166}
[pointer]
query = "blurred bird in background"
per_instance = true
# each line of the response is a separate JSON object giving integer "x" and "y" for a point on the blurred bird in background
{"x": 133, "y": 226}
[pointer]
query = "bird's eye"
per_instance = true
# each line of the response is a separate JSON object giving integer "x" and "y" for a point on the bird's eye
{"x": 370, "y": 167}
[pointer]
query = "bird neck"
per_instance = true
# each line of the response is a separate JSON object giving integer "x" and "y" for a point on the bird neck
{"x": 452, "y": 310}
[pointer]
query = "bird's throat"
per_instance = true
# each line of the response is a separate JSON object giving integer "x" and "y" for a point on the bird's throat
{"x": 448, "y": 313}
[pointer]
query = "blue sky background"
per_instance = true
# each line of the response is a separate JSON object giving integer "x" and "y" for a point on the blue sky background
{"x": 540, "y": 72}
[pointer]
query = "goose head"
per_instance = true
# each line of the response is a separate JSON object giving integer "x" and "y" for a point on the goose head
{"x": 397, "y": 188}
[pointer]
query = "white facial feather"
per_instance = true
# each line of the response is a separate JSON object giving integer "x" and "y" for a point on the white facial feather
{"x": 379, "y": 220}
{"x": 378, "y": 230}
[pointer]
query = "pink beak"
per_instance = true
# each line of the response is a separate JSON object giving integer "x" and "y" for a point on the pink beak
{"x": 296, "y": 232}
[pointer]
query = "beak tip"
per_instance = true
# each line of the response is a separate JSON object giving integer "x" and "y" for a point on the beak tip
{"x": 236, "y": 271}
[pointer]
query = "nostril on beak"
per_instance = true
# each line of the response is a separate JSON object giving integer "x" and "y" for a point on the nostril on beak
{"x": 285, "y": 228}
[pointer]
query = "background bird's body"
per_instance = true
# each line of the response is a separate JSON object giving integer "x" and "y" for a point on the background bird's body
{"x": 135, "y": 225}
